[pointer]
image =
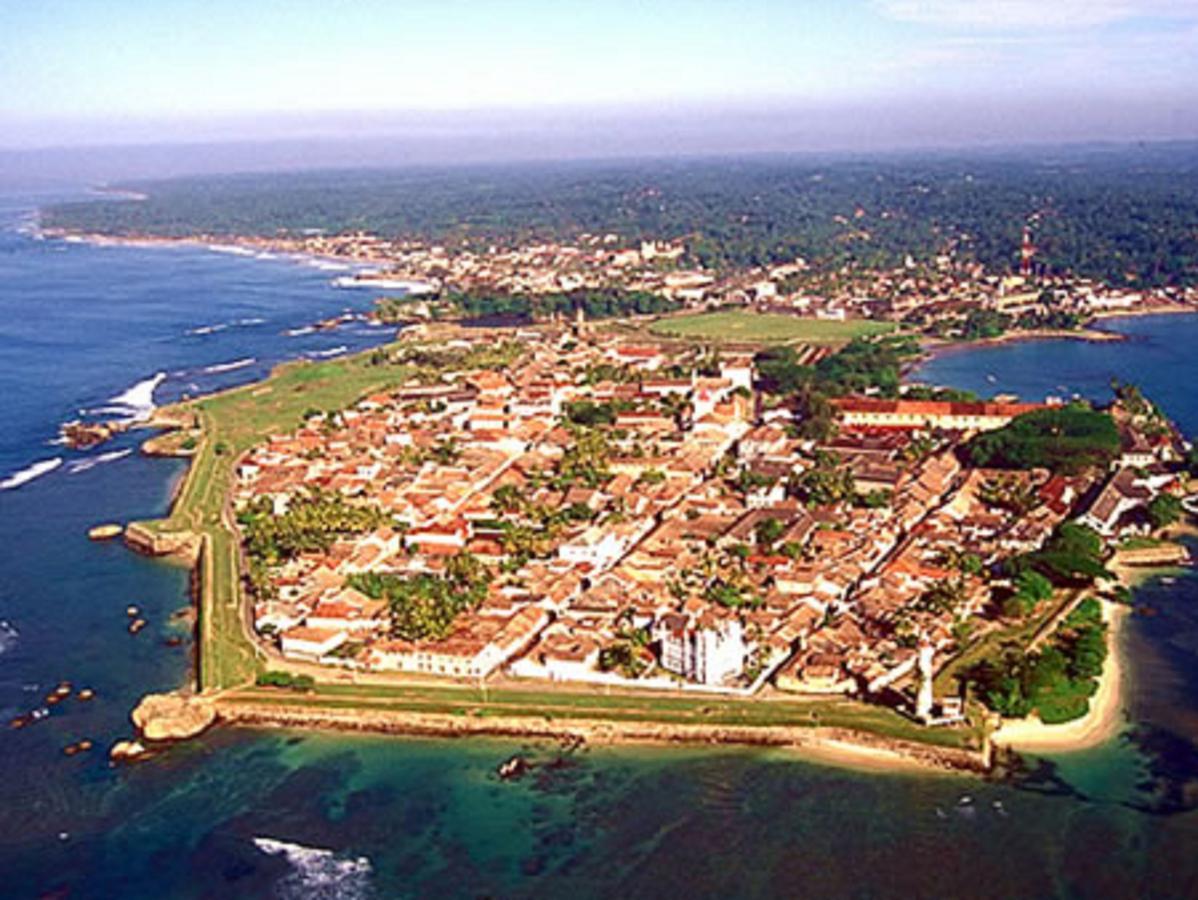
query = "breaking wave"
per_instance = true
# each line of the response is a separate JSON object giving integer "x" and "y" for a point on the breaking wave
{"x": 318, "y": 873}
{"x": 8, "y": 636}
{"x": 229, "y": 366}
{"x": 83, "y": 465}
{"x": 137, "y": 402}
{"x": 26, "y": 475}
{"x": 325, "y": 354}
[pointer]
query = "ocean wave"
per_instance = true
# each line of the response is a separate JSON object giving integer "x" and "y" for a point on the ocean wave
{"x": 230, "y": 249}
{"x": 83, "y": 465}
{"x": 8, "y": 636}
{"x": 296, "y": 332}
{"x": 318, "y": 873}
{"x": 229, "y": 366}
{"x": 325, "y": 354}
{"x": 326, "y": 266}
{"x": 137, "y": 402}
{"x": 253, "y": 320}
{"x": 26, "y": 475}
{"x": 209, "y": 329}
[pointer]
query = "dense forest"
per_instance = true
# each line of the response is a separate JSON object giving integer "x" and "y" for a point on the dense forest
{"x": 1125, "y": 215}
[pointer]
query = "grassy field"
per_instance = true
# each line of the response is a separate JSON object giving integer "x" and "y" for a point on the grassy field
{"x": 231, "y": 423}
{"x": 565, "y": 704}
{"x": 750, "y": 327}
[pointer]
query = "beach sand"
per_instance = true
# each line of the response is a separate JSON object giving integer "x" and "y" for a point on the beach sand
{"x": 1104, "y": 720}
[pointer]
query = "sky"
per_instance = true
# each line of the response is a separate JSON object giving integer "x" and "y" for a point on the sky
{"x": 703, "y": 74}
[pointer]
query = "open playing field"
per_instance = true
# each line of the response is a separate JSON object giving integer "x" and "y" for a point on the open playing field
{"x": 738, "y": 325}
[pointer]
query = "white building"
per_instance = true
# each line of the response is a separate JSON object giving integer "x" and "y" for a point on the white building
{"x": 707, "y": 652}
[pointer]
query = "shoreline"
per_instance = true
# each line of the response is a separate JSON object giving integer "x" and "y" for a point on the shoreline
{"x": 1093, "y": 334}
{"x": 1104, "y": 719}
{"x": 830, "y": 746}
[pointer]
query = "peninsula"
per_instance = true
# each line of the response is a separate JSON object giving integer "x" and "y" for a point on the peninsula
{"x": 605, "y": 532}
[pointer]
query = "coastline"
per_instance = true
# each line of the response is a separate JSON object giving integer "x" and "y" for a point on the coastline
{"x": 1093, "y": 333}
{"x": 832, "y": 746}
{"x": 1104, "y": 719}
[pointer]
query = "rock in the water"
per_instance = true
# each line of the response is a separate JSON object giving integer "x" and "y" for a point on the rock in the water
{"x": 104, "y": 532}
{"x": 125, "y": 751}
{"x": 171, "y": 717}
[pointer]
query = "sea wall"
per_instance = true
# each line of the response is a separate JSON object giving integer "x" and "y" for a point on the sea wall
{"x": 1164, "y": 554}
{"x": 181, "y": 545}
{"x": 845, "y": 743}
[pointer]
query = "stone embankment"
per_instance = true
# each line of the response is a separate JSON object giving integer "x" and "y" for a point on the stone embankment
{"x": 1166, "y": 553}
{"x": 184, "y": 545}
{"x": 850, "y": 747}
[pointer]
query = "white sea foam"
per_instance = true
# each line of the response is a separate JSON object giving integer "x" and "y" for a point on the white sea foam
{"x": 296, "y": 332}
{"x": 209, "y": 329}
{"x": 83, "y": 465}
{"x": 8, "y": 636}
{"x": 26, "y": 475}
{"x": 137, "y": 402}
{"x": 325, "y": 354}
{"x": 230, "y": 366}
{"x": 318, "y": 873}
{"x": 253, "y": 320}
{"x": 264, "y": 255}
{"x": 230, "y": 249}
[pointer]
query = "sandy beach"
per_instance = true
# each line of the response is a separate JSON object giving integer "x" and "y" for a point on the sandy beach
{"x": 1104, "y": 720}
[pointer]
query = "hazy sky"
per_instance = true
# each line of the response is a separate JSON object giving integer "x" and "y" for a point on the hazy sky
{"x": 88, "y": 71}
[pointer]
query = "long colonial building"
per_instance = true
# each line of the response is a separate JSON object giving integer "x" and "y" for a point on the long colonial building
{"x": 867, "y": 412}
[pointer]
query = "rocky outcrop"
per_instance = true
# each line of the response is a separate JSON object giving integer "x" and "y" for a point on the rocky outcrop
{"x": 127, "y": 751}
{"x": 173, "y": 717}
{"x": 85, "y": 435}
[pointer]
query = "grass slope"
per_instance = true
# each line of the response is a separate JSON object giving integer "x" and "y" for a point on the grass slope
{"x": 231, "y": 423}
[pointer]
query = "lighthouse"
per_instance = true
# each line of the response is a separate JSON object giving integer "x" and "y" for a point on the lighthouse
{"x": 923, "y": 700}
{"x": 1027, "y": 250}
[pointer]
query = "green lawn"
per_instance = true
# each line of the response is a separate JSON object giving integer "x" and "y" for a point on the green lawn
{"x": 738, "y": 325}
{"x": 231, "y": 423}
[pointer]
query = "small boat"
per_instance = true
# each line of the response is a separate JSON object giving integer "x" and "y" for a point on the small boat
{"x": 965, "y": 800}
{"x": 136, "y": 625}
{"x": 63, "y": 689}
{"x": 84, "y": 745}
{"x": 132, "y": 611}
{"x": 1168, "y": 580}
{"x": 19, "y": 721}
{"x": 86, "y": 694}
{"x": 173, "y": 641}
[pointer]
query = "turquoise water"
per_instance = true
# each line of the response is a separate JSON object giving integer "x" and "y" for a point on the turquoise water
{"x": 252, "y": 814}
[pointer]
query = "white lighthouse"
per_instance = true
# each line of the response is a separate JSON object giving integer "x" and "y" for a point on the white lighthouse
{"x": 923, "y": 700}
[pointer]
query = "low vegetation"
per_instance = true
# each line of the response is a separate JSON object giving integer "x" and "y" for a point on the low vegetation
{"x": 1064, "y": 439}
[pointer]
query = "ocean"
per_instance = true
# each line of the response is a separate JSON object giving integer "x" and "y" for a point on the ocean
{"x": 256, "y": 814}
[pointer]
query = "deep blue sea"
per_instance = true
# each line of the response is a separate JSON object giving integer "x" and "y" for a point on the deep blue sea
{"x": 246, "y": 814}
